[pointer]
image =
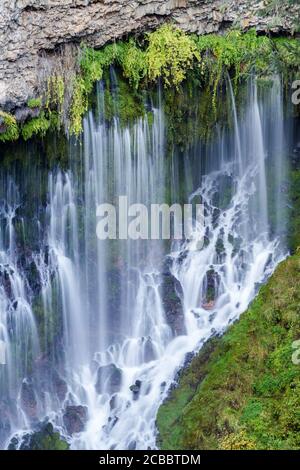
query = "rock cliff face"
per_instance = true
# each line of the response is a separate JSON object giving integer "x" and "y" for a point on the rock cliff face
{"x": 35, "y": 34}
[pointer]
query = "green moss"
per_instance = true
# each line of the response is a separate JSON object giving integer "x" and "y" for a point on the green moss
{"x": 33, "y": 103}
{"x": 238, "y": 441}
{"x": 190, "y": 116}
{"x": 48, "y": 319}
{"x": 294, "y": 216}
{"x": 129, "y": 105}
{"x": 246, "y": 392}
{"x": 44, "y": 439}
{"x": 11, "y": 130}
{"x": 36, "y": 126}
{"x": 235, "y": 53}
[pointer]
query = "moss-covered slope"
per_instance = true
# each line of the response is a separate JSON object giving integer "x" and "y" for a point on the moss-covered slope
{"x": 243, "y": 390}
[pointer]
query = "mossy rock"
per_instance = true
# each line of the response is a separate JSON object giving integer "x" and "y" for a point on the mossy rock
{"x": 242, "y": 391}
{"x": 44, "y": 439}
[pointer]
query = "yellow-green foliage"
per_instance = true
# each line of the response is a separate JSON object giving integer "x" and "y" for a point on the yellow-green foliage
{"x": 170, "y": 54}
{"x": 36, "y": 126}
{"x": 238, "y": 441}
{"x": 34, "y": 103}
{"x": 236, "y": 53}
{"x": 55, "y": 92}
{"x": 286, "y": 57}
{"x": 91, "y": 70}
{"x": 79, "y": 104}
{"x": 55, "y": 99}
{"x": 123, "y": 103}
{"x": 243, "y": 390}
{"x": 134, "y": 63}
{"x": 11, "y": 131}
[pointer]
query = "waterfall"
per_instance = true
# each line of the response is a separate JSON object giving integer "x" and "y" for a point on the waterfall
{"x": 18, "y": 334}
{"x": 131, "y": 310}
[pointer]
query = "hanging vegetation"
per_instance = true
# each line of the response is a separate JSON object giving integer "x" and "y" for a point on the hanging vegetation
{"x": 168, "y": 54}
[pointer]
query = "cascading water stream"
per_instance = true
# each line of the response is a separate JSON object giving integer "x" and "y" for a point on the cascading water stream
{"x": 138, "y": 366}
{"x": 132, "y": 309}
{"x": 18, "y": 333}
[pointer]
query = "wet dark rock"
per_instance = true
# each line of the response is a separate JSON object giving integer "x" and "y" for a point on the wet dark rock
{"x": 167, "y": 265}
{"x": 149, "y": 351}
{"x": 212, "y": 316}
{"x": 112, "y": 421}
{"x": 297, "y": 148}
{"x": 136, "y": 388}
{"x": 223, "y": 196}
{"x": 75, "y": 418}
{"x": 109, "y": 378}
{"x": 188, "y": 358}
{"x": 182, "y": 257}
{"x": 236, "y": 242}
{"x": 113, "y": 402}
{"x": 187, "y": 361}
{"x": 33, "y": 277}
{"x": 28, "y": 399}
{"x": 5, "y": 426}
{"x": 211, "y": 285}
{"x": 60, "y": 386}
{"x": 132, "y": 445}
{"x": 171, "y": 295}
{"x": 215, "y": 217}
{"x": 5, "y": 273}
{"x": 163, "y": 385}
{"x": 205, "y": 241}
{"x": 45, "y": 438}
{"x": 14, "y": 444}
{"x": 24, "y": 113}
{"x": 220, "y": 248}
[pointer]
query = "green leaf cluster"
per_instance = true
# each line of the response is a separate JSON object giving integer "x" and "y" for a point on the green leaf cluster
{"x": 36, "y": 126}
{"x": 170, "y": 54}
{"x": 10, "y": 126}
